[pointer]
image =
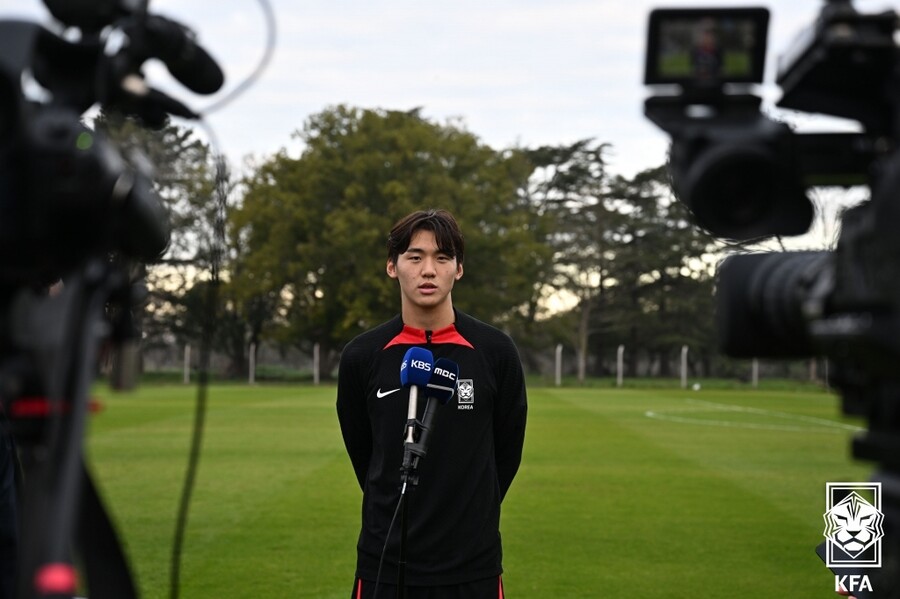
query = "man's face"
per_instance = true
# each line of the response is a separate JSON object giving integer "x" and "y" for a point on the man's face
{"x": 425, "y": 273}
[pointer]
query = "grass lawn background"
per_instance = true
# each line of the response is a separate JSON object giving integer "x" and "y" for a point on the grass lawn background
{"x": 621, "y": 493}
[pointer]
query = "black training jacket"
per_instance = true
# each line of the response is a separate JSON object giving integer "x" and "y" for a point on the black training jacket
{"x": 474, "y": 452}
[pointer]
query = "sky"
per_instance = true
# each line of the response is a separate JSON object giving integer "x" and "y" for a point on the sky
{"x": 513, "y": 73}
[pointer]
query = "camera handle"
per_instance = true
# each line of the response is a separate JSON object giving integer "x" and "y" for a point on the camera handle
{"x": 55, "y": 341}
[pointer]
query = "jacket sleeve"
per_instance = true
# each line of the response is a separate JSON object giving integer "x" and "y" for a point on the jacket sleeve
{"x": 510, "y": 413}
{"x": 353, "y": 414}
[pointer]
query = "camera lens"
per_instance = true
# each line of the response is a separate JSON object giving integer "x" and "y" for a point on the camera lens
{"x": 760, "y": 303}
{"x": 732, "y": 190}
{"x": 742, "y": 181}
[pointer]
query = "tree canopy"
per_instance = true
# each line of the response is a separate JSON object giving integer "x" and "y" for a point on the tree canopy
{"x": 314, "y": 228}
{"x": 307, "y": 241}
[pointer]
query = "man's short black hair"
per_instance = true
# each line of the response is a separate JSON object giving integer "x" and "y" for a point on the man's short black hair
{"x": 446, "y": 231}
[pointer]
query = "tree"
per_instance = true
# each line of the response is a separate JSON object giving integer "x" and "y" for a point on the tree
{"x": 572, "y": 185}
{"x": 639, "y": 272}
{"x": 663, "y": 274}
{"x": 314, "y": 227}
{"x": 185, "y": 179}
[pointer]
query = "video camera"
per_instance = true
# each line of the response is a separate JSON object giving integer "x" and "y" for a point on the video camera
{"x": 745, "y": 176}
{"x": 72, "y": 208}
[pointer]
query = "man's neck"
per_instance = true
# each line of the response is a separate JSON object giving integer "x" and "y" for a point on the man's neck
{"x": 429, "y": 320}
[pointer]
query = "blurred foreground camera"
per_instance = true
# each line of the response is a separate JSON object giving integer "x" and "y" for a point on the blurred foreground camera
{"x": 75, "y": 217}
{"x": 82, "y": 198}
{"x": 744, "y": 177}
{"x": 730, "y": 164}
{"x": 742, "y": 174}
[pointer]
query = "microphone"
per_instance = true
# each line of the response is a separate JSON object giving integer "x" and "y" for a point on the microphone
{"x": 415, "y": 372}
{"x": 439, "y": 390}
{"x": 185, "y": 59}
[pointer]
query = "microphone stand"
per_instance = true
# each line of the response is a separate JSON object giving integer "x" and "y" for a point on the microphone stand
{"x": 408, "y": 477}
{"x": 401, "y": 563}
{"x": 415, "y": 447}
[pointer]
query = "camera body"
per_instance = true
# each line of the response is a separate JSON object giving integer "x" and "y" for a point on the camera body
{"x": 65, "y": 192}
{"x": 745, "y": 176}
{"x": 69, "y": 194}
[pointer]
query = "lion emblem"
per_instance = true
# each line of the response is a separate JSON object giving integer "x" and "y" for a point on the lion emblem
{"x": 466, "y": 390}
{"x": 853, "y": 524}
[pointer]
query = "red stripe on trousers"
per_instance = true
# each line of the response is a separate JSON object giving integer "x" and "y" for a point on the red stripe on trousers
{"x": 359, "y": 588}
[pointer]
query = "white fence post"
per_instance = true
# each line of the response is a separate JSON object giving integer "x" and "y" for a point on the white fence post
{"x": 755, "y": 373}
{"x": 558, "y": 369}
{"x": 316, "y": 364}
{"x": 684, "y": 354}
{"x": 252, "y": 378}
{"x": 620, "y": 365}
{"x": 187, "y": 363}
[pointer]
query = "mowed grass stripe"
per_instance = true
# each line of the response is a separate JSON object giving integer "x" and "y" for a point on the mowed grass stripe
{"x": 272, "y": 485}
{"x": 607, "y": 502}
{"x": 650, "y": 509}
{"x": 295, "y": 542}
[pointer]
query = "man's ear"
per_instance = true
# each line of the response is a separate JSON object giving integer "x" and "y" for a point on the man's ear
{"x": 391, "y": 269}
{"x": 459, "y": 271}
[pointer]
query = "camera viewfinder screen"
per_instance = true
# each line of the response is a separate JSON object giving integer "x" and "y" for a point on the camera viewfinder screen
{"x": 712, "y": 46}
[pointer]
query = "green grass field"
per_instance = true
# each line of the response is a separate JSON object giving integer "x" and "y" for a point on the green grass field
{"x": 621, "y": 492}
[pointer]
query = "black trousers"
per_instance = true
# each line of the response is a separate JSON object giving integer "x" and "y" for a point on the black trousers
{"x": 489, "y": 588}
{"x": 8, "y": 536}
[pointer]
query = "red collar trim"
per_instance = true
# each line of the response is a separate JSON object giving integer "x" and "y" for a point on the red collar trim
{"x": 447, "y": 335}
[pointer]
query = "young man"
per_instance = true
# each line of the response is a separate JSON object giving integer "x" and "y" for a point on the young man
{"x": 453, "y": 543}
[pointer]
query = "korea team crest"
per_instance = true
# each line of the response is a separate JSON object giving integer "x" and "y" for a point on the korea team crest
{"x": 853, "y": 525}
{"x": 465, "y": 392}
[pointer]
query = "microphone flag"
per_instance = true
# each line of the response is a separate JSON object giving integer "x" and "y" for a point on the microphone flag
{"x": 415, "y": 372}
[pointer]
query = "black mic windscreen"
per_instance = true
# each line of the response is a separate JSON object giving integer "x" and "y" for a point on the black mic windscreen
{"x": 189, "y": 63}
{"x": 442, "y": 385}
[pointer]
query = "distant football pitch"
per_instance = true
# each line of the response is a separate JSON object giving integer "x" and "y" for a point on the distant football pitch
{"x": 621, "y": 492}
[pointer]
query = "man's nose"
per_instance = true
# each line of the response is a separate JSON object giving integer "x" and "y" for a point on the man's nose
{"x": 428, "y": 266}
